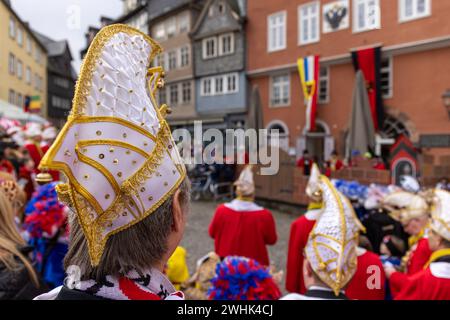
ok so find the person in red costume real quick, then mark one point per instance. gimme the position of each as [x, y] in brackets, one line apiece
[368, 283]
[33, 143]
[433, 282]
[300, 230]
[241, 227]
[48, 137]
[305, 163]
[334, 164]
[412, 211]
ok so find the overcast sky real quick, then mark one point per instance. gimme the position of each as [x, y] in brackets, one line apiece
[66, 19]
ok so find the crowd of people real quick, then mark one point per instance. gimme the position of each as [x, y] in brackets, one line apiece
[335, 163]
[108, 221]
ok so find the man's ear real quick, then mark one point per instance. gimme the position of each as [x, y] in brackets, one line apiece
[309, 269]
[177, 211]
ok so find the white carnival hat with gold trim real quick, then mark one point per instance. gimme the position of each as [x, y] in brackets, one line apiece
[245, 185]
[116, 148]
[440, 213]
[331, 247]
[404, 206]
[313, 190]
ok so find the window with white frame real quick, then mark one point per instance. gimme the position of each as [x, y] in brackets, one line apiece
[28, 75]
[160, 32]
[387, 75]
[29, 44]
[12, 27]
[184, 23]
[19, 100]
[309, 23]
[209, 48]
[226, 44]
[171, 27]
[414, 9]
[61, 82]
[186, 94]
[12, 96]
[184, 56]
[323, 93]
[207, 87]
[19, 36]
[280, 91]
[36, 81]
[220, 85]
[173, 93]
[38, 55]
[12, 64]
[276, 34]
[218, 89]
[162, 96]
[232, 83]
[366, 15]
[172, 60]
[19, 69]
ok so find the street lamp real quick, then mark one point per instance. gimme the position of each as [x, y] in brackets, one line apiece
[446, 100]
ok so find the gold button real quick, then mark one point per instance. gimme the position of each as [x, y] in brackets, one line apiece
[125, 214]
[145, 144]
[131, 91]
[128, 152]
[99, 133]
[124, 135]
[134, 162]
[111, 150]
[142, 190]
[165, 184]
[116, 161]
[86, 176]
[119, 174]
[101, 156]
[150, 198]
[107, 196]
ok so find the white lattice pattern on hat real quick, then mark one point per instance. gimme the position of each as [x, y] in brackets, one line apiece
[119, 83]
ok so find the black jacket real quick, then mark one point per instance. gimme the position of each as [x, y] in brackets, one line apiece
[17, 284]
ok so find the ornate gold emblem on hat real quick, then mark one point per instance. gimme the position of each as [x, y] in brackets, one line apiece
[116, 148]
[331, 247]
[440, 213]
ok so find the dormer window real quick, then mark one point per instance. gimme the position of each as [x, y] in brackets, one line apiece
[221, 7]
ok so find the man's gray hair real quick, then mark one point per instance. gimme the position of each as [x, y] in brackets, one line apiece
[138, 248]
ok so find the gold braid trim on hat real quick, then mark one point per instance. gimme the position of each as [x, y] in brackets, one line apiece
[331, 194]
[93, 220]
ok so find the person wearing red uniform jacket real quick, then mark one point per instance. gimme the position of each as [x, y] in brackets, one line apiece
[331, 251]
[300, 230]
[33, 143]
[48, 136]
[242, 228]
[433, 282]
[412, 211]
[369, 281]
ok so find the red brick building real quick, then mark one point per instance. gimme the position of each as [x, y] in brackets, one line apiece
[415, 40]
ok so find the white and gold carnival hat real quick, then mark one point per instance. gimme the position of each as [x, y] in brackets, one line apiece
[331, 247]
[404, 206]
[116, 148]
[440, 213]
[313, 189]
[245, 185]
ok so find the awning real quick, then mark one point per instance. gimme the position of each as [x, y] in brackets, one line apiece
[12, 112]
